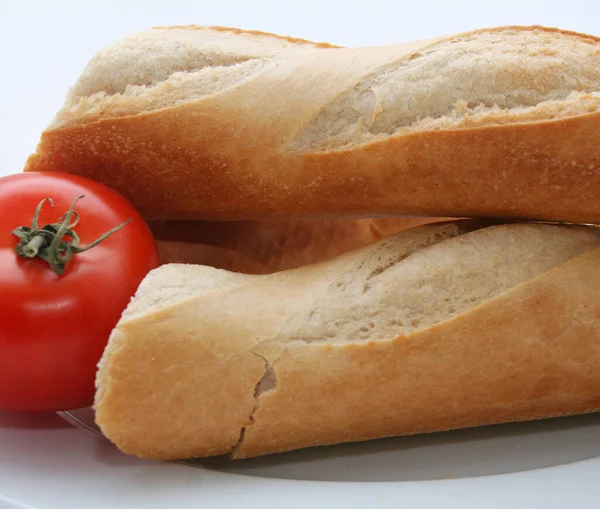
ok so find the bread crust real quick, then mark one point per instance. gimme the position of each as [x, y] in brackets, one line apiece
[233, 155]
[224, 368]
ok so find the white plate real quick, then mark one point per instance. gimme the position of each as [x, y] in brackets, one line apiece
[485, 451]
[45, 463]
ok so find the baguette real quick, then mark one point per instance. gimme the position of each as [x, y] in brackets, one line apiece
[443, 326]
[222, 124]
[263, 247]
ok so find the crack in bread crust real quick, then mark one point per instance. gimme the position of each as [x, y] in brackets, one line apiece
[268, 382]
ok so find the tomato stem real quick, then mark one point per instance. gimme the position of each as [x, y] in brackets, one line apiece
[32, 248]
[55, 243]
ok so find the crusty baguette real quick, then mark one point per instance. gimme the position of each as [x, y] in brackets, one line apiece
[443, 326]
[214, 123]
[263, 247]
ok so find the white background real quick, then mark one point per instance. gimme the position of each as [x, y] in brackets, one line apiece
[43, 47]
[45, 44]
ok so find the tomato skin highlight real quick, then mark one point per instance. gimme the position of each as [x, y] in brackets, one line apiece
[53, 329]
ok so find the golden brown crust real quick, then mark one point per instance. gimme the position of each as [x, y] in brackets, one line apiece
[264, 247]
[239, 162]
[517, 171]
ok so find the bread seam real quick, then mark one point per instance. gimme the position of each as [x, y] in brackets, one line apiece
[480, 116]
[153, 83]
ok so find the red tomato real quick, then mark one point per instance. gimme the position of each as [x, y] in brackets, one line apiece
[53, 329]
